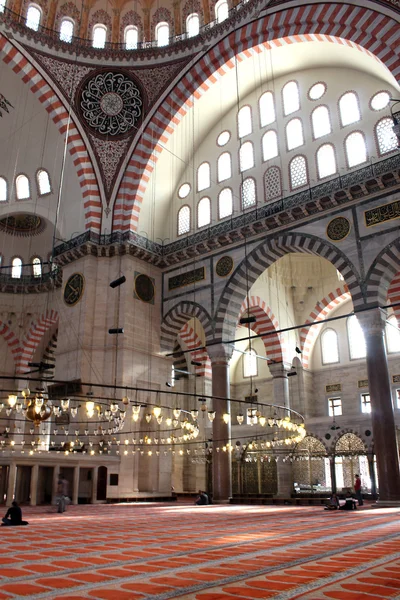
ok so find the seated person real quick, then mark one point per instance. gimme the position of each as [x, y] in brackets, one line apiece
[333, 503]
[202, 498]
[350, 503]
[14, 516]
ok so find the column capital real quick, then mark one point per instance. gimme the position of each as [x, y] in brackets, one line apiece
[220, 353]
[372, 321]
[279, 369]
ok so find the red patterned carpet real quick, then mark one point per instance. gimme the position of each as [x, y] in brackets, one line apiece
[154, 551]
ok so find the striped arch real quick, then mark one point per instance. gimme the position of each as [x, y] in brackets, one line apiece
[262, 257]
[177, 317]
[76, 146]
[382, 273]
[266, 323]
[33, 339]
[49, 356]
[394, 294]
[320, 312]
[366, 30]
[12, 341]
[191, 340]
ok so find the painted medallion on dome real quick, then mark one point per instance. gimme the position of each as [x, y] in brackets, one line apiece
[22, 224]
[338, 229]
[111, 103]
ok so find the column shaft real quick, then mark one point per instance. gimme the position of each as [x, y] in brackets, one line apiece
[34, 484]
[56, 476]
[95, 478]
[12, 477]
[222, 474]
[75, 491]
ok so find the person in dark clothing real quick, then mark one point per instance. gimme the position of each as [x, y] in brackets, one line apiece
[14, 516]
[202, 498]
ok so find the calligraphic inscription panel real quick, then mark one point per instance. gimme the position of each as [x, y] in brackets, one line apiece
[186, 278]
[381, 214]
[333, 387]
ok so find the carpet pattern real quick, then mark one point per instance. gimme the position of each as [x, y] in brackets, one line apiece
[159, 552]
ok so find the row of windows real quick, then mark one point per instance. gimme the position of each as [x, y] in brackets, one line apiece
[335, 405]
[326, 165]
[357, 347]
[23, 186]
[35, 267]
[131, 33]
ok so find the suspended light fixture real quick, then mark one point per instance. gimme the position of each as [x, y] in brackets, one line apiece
[211, 415]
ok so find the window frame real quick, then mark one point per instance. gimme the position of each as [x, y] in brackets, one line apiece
[245, 357]
[259, 108]
[240, 137]
[340, 111]
[197, 212]
[247, 144]
[331, 406]
[190, 221]
[255, 194]
[325, 362]
[16, 188]
[198, 190]
[378, 148]
[349, 342]
[286, 114]
[396, 402]
[7, 190]
[264, 160]
[38, 185]
[292, 189]
[217, 6]
[17, 257]
[69, 20]
[94, 28]
[346, 152]
[286, 134]
[126, 30]
[218, 203]
[219, 180]
[376, 94]
[321, 178]
[162, 25]
[38, 8]
[188, 19]
[365, 404]
[37, 257]
[388, 324]
[264, 183]
[314, 137]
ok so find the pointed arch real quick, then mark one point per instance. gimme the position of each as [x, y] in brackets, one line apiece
[394, 294]
[76, 145]
[33, 338]
[262, 257]
[177, 317]
[320, 312]
[191, 340]
[266, 323]
[381, 274]
[280, 27]
[12, 341]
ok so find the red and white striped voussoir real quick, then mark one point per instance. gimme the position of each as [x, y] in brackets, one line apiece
[11, 339]
[320, 312]
[192, 340]
[366, 30]
[33, 339]
[265, 323]
[394, 294]
[76, 146]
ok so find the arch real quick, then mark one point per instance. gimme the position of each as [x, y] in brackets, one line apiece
[266, 324]
[12, 341]
[381, 273]
[320, 312]
[283, 27]
[191, 340]
[33, 338]
[176, 318]
[76, 145]
[262, 257]
[394, 294]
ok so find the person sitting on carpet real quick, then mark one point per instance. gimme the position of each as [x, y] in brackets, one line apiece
[202, 498]
[13, 516]
[350, 503]
[333, 503]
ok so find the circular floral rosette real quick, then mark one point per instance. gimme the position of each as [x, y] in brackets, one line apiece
[111, 103]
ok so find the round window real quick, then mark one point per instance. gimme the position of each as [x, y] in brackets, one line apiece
[184, 190]
[380, 101]
[223, 138]
[317, 91]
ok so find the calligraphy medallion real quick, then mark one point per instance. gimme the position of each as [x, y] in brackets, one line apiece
[338, 229]
[224, 266]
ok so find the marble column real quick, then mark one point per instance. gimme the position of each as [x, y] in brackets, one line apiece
[279, 372]
[222, 471]
[332, 466]
[371, 465]
[75, 489]
[12, 477]
[95, 478]
[34, 484]
[382, 414]
[56, 477]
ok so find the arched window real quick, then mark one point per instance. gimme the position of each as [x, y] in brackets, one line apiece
[2, 5]
[267, 109]
[272, 183]
[294, 134]
[356, 150]
[224, 166]
[291, 98]
[37, 267]
[16, 268]
[203, 176]
[99, 36]
[298, 172]
[349, 109]
[393, 334]
[22, 187]
[248, 193]
[355, 334]
[193, 25]
[204, 212]
[246, 156]
[33, 17]
[66, 30]
[131, 37]
[270, 145]
[329, 347]
[3, 190]
[321, 122]
[162, 34]
[43, 182]
[225, 203]
[184, 220]
[250, 364]
[326, 161]
[387, 140]
[221, 11]
[244, 121]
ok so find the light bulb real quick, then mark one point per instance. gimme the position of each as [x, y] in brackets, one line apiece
[177, 413]
[211, 415]
[226, 418]
[240, 418]
[157, 411]
[12, 400]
